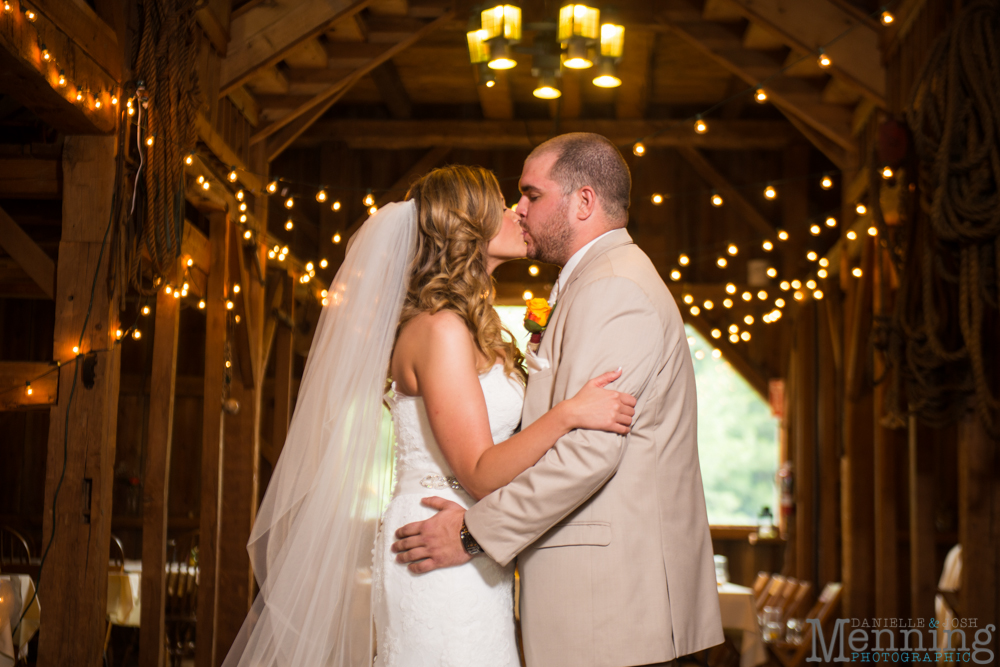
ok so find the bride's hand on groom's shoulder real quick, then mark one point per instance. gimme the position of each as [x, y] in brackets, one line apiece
[434, 543]
[598, 409]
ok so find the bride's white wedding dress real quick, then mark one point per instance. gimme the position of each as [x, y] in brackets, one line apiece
[456, 616]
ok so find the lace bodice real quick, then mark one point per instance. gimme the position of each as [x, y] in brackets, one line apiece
[416, 448]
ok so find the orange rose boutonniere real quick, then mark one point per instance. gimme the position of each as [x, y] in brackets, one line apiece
[537, 317]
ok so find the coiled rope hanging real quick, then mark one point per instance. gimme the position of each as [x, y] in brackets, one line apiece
[947, 312]
[165, 68]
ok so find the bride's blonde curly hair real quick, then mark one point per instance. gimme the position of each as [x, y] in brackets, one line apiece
[459, 210]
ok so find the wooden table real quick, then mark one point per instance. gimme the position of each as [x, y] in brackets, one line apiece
[738, 613]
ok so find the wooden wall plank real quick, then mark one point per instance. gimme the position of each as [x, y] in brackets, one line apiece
[30, 178]
[284, 351]
[81, 439]
[803, 445]
[26, 252]
[923, 565]
[212, 441]
[156, 478]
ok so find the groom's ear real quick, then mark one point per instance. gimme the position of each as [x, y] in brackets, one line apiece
[587, 202]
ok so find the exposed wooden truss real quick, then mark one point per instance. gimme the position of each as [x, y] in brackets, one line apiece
[26, 252]
[737, 134]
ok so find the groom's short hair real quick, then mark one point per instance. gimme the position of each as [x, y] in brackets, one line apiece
[591, 159]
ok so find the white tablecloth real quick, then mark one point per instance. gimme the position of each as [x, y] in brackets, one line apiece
[738, 613]
[23, 592]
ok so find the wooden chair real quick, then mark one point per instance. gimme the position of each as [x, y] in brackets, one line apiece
[825, 610]
[799, 602]
[773, 589]
[760, 585]
[781, 592]
[15, 552]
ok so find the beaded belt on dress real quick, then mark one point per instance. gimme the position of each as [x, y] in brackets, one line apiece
[408, 480]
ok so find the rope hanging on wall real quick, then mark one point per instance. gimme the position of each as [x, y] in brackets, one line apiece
[165, 69]
[948, 299]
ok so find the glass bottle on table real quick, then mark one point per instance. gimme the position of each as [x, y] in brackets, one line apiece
[765, 524]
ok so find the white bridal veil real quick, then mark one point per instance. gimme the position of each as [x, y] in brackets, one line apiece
[311, 545]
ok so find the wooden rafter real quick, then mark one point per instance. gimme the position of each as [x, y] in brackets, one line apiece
[430, 160]
[30, 178]
[856, 58]
[262, 36]
[727, 190]
[390, 87]
[26, 252]
[495, 134]
[496, 102]
[636, 72]
[794, 97]
[317, 105]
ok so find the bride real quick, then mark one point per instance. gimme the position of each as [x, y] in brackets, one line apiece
[414, 298]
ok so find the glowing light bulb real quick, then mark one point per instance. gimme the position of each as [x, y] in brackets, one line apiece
[491, 83]
[243, 206]
[145, 310]
[114, 100]
[290, 202]
[716, 333]
[229, 305]
[861, 208]
[733, 329]
[46, 56]
[760, 96]
[770, 192]
[826, 182]
[887, 17]
[675, 275]
[236, 288]
[189, 160]
[730, 288]
[780, 303]
[657, 199]
[851, 235]
[873, 231]
[818, 294]
[272, 187]
[824, 60]
[289, 224]
[232, 175]
[372, 210]
[533, 269]
[683, 260]
[812, 256]
[247, 234]
[137, 334]
[321, 196]
[815, 230]
[748, 319]
[30, 15]
[822, 273]
[831, 222]
[745, 336]
[734, 338]
[721, 262]
[886, 172]
[785, 285]
[688, 299]
[190, 262]
[639, 148]
[7, 7]
[201, 304]
[700, 126]
[527, 296]
[168, 289]
[811, 284]
[728, 303]
[335, 206]
[747, 296]
[62, 79]
[782, 235]
[762, 295]
[323, 263]
[732, 249]
[206, 185]
[149, 141]
[768, 246]
[799, 296]
[796, 284]
[696, 311]
[716, 200]
[336, 237]
[708, 305]
[369, 200]
[716, 353]
[823, 261]
[772, 272]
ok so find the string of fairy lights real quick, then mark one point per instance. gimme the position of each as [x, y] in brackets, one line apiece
[49, 66]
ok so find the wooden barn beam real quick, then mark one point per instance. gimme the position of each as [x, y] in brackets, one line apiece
[636, 72]
[212, 441]
[496, 134]
[390, 87]
[431, 159]
[35, 262]
[496, 102]
[214, 18]
[856, 56]
[261, 36]
[15, 283]
[729, 192]
[804, 445]
[226, 155]
[922, 492]
[81, 444]
[30, 178]
[310, 111]
[794, 97]
[33, 82]
[156, 477]
[77, 20]
[14, 376]
[284, 354]
[567, 107]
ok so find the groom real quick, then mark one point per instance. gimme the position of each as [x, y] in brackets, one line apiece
[610, 531]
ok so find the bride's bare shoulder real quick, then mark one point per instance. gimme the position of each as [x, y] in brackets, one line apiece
[443, 327]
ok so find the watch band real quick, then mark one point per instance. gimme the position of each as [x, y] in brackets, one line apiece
[469, 542]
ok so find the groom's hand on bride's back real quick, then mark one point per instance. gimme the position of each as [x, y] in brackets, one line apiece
[434, 543]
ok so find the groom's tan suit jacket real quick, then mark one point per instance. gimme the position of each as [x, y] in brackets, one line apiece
[611, 532]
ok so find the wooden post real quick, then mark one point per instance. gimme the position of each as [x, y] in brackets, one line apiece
[804, 444]
[828, 429]
[212, 442]
[887, 444]
[156, 480]
[978, 525]
[923, 566]
[284, 351]
[81, 446]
